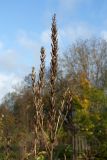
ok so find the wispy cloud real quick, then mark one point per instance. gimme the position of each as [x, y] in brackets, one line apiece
[1, 45]
[45, 37]
[104, 34]
[69, 4]
[34, 43]
[66, 35]
[26, 40]
[7, 83]
[70, 33]
[8, 59]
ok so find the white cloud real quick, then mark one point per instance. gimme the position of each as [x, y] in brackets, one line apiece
[68, 3]
[71, 33]
[29, 44]
[45, 37]
[1, 45]
[66, 36]
[104, 34]
[27, 41]
[9, 59]
[7, 82]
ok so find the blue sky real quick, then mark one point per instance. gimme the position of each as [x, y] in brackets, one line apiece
[25, 27]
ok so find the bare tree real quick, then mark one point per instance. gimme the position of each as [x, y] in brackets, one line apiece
[88, 57]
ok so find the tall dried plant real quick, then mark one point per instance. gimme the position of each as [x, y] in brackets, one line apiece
[56, 116]
[37, 91]
[53, 76]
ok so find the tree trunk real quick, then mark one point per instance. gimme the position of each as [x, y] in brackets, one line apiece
[51, 152]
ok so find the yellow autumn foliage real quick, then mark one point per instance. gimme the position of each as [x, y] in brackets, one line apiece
[85, 103]
[84, 81]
